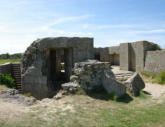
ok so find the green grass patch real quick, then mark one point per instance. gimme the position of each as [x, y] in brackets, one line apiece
[148, 74]
[154, 78]
[160, 78]
[3, 61]
[7, 80]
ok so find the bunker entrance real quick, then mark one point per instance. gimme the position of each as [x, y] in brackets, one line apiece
[97, 57]
[115, 59]
[60, 66]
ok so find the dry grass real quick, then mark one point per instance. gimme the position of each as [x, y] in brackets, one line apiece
[86, 111]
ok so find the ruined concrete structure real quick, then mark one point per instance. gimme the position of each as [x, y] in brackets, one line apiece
[49, 62]
[136, 56]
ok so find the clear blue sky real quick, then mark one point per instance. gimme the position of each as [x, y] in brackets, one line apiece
[110, 22]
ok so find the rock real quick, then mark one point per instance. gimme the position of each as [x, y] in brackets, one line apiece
[70, 87]
[112, 86]
[58, 96]
[12, 95]
[94, 74]
[73, 78]
[134, 84]
[10, 92]
[89, 74]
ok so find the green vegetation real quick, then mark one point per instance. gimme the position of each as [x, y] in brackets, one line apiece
[155, 78]
[160, 78]
[5, 58]
[3, 61]
[7, 80]
[158, 47]
[12, 56]
[148, 74]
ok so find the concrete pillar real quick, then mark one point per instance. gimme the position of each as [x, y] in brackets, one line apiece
[68, 58]
[124, 56]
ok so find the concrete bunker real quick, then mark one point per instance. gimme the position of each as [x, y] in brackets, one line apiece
[48, 63]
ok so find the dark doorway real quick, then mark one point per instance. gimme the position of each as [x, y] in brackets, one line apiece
[97, 57]
[60, 66]
[115, 59]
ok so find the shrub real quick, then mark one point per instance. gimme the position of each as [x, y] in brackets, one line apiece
[148, 74]
[161, 78]
[158, 47]
[7, 80]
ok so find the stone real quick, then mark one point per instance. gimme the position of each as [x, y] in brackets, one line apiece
[134, 84]
[12, 95]
[112, 86]
[70, 87]
[94, 74]
[58, 96]
[90, 73]
[73, 78]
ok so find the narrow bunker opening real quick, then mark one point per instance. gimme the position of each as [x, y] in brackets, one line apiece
[60, 66]
[97, 56]
[115, 59]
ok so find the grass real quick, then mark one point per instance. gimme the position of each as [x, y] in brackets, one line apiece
[89, 112]
[3, 61]
[161, 78]
[154, 78]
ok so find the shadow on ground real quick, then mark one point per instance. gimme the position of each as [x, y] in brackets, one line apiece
[147, 93]
[103, 95]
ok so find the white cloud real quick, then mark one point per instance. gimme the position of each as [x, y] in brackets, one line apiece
[115, 26]
[68, 19]
[150, 31]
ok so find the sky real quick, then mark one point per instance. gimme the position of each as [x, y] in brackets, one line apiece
[109, 22]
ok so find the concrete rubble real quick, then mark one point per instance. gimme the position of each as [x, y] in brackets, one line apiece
[135, 84]
[12, 95]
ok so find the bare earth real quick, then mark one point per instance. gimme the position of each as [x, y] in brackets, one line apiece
[51, 109]
[155, 90]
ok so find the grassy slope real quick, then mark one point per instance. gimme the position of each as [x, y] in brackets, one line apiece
[9, 60]
[90, 112]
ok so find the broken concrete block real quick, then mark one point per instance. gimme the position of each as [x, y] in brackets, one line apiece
[112, 86]
[134, 84]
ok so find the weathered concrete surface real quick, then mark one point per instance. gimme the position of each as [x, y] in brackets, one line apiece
[12, 95]
[130, 56]
[114, 50]
[112, 86]
[124, 56]
[93, 74]
[121, 75]
[155, 61]
[6, 68]
[135, 84]
[39, 63]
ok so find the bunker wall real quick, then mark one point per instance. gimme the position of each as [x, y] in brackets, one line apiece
[155, 61]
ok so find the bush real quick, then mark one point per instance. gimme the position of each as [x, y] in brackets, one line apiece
[7, 80]
[161, 78]
[158, 47]
[148, 74]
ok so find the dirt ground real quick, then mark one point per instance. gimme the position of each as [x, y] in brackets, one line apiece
[155, 90]
[51, 109]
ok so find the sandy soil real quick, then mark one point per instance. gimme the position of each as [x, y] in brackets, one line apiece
[155, 90]
[11, 111]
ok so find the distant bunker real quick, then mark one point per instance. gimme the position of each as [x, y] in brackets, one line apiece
[48, 63]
